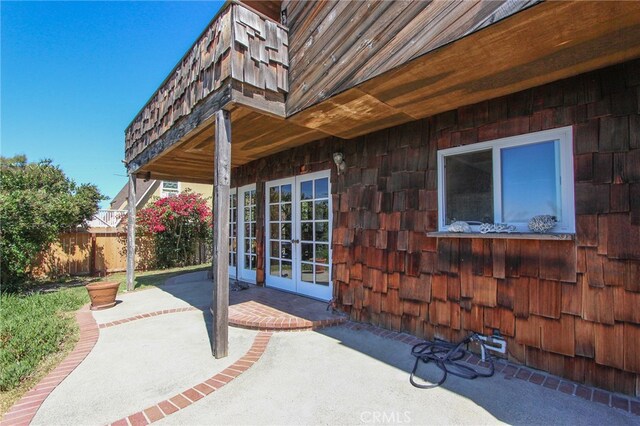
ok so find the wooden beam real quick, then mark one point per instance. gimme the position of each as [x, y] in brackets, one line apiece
[220, 263]
[131, 231]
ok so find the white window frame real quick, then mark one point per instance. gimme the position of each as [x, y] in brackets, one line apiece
[563, 135]
[166, 193]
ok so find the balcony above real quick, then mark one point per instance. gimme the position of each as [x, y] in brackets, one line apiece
[347, 69]
[241, 57]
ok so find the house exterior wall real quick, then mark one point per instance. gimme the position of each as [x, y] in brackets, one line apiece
[156, 191]
[567, 307]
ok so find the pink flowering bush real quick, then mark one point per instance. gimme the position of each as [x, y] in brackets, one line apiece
[177, 225]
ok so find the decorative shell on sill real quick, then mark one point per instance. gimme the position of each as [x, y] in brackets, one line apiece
[497, 228]
[542, 223]
[459, 226]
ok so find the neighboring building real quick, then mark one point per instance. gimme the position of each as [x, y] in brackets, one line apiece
[443, 111]
[149, 189]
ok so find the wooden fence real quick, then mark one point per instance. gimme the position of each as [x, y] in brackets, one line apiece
[98, 253]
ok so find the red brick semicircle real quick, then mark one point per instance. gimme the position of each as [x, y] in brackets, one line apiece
[256, 316]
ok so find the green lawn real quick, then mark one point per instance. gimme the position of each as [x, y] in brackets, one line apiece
[38, 330]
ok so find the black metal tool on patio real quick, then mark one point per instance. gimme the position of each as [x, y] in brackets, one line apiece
[448, 357]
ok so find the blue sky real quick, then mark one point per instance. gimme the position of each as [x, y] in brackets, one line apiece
[74, 75]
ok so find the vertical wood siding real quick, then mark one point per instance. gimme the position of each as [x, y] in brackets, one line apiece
[336, 45]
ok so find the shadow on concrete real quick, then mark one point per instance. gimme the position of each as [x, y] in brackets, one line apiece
[496, 395]
[535, 404]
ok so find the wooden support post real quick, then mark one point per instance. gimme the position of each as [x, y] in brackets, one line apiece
[220, 264]
[131, 232]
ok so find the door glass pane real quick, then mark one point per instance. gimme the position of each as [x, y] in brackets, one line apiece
[247, 261]
[322, 253]
[285, 212]
[274, 267]
[306, 190]
[530, 181]
[285, 251]
[322, 274]
[322, 231]
[275, 249]
[322, 210]
[306, 233]
[322, 188]
[274, 213]
[273, 233]
[307, 272]
[285, 193]
[307, 251]
[469, 187]
[286, 270]
[306, 210]
[285, 231]
[274, 195]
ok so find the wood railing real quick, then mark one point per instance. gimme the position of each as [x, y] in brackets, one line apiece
[240, 50]
[109, 218]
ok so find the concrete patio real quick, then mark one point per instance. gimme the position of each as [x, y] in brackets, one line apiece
[152, 362]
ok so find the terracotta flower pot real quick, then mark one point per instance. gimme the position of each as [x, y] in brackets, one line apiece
[102, 294]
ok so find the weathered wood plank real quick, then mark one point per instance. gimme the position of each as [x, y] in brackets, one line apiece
[220, 264]
[131, 232]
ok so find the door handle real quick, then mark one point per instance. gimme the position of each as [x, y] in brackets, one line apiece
[295, 241]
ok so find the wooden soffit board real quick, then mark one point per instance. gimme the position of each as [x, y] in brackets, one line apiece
[541, 44]
[253, 136]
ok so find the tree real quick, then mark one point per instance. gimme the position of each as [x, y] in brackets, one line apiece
[37, 202]
[176, 224]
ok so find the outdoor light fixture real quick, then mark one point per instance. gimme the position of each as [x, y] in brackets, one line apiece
[338, 158]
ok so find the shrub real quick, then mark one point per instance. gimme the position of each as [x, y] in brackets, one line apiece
[37, 202]
[177, 225]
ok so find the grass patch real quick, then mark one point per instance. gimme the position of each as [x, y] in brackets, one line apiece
[153, 278]
[33, 329]
[38, 330]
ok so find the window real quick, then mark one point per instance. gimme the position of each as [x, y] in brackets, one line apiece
[509, 181]
[170, 188]
[233, 229]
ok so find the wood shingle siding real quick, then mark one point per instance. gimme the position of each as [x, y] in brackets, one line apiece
[241, 52]
[569, 307]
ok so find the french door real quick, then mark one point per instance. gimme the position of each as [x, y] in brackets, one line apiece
[242, 233]
[298, 228]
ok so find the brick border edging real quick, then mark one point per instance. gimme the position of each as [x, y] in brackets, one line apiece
[249, 322]
[276, 324]
[511, 370]
[149, 315]
[23, 411]
[187, 397]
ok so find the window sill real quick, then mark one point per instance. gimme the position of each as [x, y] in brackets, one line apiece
[503, 236]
